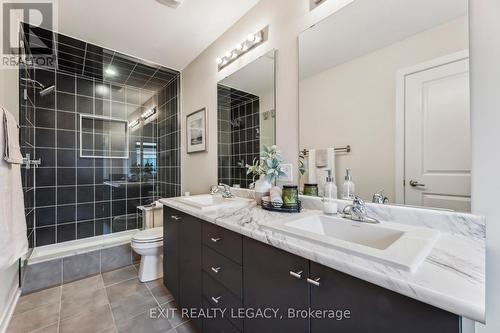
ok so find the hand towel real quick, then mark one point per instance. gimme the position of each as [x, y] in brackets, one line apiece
[12, 150]
[331, 160]
[13, 237]
[311, 166]
[321, 158]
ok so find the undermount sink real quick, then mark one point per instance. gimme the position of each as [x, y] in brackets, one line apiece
[208, 201]
[402, 246]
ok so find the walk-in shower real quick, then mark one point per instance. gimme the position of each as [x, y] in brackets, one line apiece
[100, 157]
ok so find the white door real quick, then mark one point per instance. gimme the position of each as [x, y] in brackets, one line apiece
[437, 137]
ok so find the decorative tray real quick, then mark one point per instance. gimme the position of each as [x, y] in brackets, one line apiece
[268, 205]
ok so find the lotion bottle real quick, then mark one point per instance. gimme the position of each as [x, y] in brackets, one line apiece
[330, 205]
[348, 187]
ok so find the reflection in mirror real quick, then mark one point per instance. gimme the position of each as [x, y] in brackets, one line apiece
[246, 119]
[395, 88]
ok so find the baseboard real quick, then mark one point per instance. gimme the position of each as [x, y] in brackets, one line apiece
[9, 311]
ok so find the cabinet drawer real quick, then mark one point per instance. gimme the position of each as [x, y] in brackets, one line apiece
[221, 298]
[217, 325]
[223, 241]
[170, 214]
[225, 271]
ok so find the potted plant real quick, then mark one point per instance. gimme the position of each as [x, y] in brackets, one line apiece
[268, 168]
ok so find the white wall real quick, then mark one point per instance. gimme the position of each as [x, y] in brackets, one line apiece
[485, 99]
[286, 19]
[358, 100]
[9, 99]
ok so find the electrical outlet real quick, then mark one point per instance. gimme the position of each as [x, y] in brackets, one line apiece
[288, 170]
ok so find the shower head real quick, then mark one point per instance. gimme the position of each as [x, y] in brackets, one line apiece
[47, 90]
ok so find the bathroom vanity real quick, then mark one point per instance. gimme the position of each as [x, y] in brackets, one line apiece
[229, 259]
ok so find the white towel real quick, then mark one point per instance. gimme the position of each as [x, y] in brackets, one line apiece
[321, 158]
[13, 238]
[11, 150]
[311, 166]
[331, 160]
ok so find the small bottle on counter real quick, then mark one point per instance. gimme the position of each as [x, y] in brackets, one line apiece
[348, 187]
[330, 205]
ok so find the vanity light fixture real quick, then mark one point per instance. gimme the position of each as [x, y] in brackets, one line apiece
[149, 113]
[252, 40]
[134, 123]
[171, 3]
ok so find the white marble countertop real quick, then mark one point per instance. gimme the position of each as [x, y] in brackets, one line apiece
[451, 278]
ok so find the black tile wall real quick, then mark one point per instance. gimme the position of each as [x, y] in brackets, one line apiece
[238, 135]
[71, 197]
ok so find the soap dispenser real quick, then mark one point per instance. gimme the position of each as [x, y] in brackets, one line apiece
[348, 187]
[330, 205]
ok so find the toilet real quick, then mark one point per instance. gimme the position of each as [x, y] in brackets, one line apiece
[148, 243]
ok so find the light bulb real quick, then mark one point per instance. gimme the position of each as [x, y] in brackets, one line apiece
[258, 38]
[238, 46]
[219, 61]
[251, 38]
[234, 55]
[228, 54]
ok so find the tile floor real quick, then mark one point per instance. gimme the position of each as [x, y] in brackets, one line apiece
[115, 301]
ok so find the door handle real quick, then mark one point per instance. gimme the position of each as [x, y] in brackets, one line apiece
[175, 217]
[314, 282]
[215, 269]
[297, 275]
[414, 183]
[216, 299]
[215, 240]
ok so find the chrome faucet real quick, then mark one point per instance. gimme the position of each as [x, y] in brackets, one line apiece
[214, 189]
[380, 198]
[227, 191]
[357, 211]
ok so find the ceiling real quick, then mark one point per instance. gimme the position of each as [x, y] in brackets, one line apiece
[77, 57]
[150, 30]
[256, 78]
[366, 25]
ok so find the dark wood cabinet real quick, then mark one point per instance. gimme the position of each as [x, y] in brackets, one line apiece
[372, 309]
[182, 258]
[171, 250]
[207, 266]
[190, 283]
[274, 279]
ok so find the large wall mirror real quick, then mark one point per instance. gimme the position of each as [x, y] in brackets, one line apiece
[390, 81]
[246, 119]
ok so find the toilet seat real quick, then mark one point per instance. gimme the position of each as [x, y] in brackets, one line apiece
[148, 236]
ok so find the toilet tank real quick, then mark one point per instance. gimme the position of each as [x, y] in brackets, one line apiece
[151, 215]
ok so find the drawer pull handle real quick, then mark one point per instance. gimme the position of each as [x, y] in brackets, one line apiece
[175, 217]
[215, 269]
[215, 240]
[216, 299]
[297, 275]
[314, 282]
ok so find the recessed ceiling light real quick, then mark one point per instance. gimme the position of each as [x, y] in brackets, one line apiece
[110, 71]
[171, 3]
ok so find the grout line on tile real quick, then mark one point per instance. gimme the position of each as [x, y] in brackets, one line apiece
[149, 289]
[110, 308]
[60, 306]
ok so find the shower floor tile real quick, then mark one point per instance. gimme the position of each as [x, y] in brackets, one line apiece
[114, 301]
